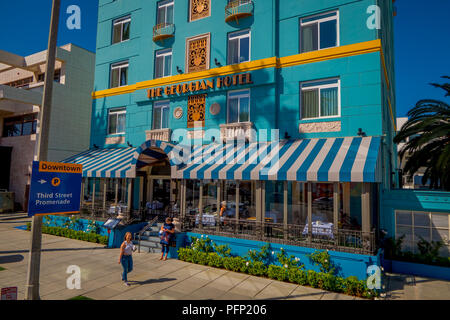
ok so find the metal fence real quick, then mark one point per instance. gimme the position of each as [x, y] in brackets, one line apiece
[354, 241]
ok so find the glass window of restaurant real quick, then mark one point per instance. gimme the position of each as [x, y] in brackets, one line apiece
[192, 196]
[274, 202]
[229, 196]
[209, 197]
[297, 203]
[247, 200]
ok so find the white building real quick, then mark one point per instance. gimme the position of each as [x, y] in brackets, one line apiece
[409, 182]
[21, 87]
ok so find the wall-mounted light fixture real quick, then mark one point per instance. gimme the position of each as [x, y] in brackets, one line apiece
[96, 146]
[217, 62]
[179, 70]
[361, 133]
[129, 144]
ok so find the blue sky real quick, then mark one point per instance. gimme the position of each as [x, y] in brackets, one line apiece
[422, 40]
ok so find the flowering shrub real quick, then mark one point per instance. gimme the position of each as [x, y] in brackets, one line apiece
[204, 251]
[322, 259]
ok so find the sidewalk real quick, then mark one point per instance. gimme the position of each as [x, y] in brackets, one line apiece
[154, 279]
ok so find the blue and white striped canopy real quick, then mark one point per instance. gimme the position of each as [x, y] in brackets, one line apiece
[350, 159]
[104, 163]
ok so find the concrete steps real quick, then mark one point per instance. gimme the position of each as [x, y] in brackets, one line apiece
[150, 240]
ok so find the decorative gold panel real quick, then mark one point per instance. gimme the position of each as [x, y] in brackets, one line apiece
[198, 54]
[200, 9]
[196, 110]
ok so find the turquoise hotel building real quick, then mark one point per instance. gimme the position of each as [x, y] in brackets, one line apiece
[251, 121]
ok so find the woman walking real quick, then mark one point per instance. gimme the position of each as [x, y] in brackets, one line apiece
[125, 258]
[167, 231]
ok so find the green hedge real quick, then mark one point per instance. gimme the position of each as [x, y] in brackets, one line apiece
[72, 234]
[291, 271]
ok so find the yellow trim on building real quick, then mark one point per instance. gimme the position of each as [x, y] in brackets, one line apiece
[298, 59]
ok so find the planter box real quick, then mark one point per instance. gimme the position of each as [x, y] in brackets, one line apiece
[417, 269]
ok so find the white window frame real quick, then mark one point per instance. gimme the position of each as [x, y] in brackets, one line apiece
[190, 11]
[121, 21]
[116, 111]
[165, 4]
[322, 86]
[160, 105]
[163, 53]
[318, 21]
[247, 35]
[245, 93]
[118, 65]
[412, 226]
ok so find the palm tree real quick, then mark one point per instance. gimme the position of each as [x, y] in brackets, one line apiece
[427, 140]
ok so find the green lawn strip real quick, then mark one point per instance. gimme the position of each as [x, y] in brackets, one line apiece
[1, 269]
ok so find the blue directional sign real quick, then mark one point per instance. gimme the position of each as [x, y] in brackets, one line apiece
[55, 188]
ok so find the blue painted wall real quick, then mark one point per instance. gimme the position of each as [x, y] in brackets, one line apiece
[58, 221]
[410, 200]
[275, 93]
[348, 264]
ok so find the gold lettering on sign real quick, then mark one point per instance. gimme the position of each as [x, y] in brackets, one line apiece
[198, 54]
[196, 110]
[200, 9]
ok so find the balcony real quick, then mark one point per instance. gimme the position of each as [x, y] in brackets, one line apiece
[163, 31]
[237, 130]
[238, 9]
[158, 134]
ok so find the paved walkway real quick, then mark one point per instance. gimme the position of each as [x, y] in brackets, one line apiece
[154, 279]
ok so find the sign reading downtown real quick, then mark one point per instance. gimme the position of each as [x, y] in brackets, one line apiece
[55, 188]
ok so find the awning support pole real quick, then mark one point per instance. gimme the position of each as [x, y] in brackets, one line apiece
[200, 206]
[104, 197]
[309, 212]
[93, 196]
[285, 210]
[219, 201]
[237, 204]
[258, 207]
[116, 194]
[130, 196]
[336, 210]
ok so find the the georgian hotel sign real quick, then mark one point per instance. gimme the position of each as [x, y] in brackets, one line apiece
[201, 85]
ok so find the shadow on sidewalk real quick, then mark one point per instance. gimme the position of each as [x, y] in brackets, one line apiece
[11, 259]
[58, 249]
[149, 281]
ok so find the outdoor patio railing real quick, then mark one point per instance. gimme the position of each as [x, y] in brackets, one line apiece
[354, 241]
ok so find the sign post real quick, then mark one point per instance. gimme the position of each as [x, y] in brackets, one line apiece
[55, 188]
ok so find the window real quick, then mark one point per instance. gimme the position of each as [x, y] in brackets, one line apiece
[119, 74]
[239, 47]
[165, 12]
[163, 63]
[319, 32]
[116, 121]
[161, 115]
[320, 99]
[430, 226]
[121, 29]
[239, 106]
[20, 126]
[56, 77]
[22, 83]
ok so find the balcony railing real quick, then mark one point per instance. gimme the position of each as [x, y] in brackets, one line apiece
[163, 31]
[237, 130]
[353, 241]
[238, 9]
[158, 134]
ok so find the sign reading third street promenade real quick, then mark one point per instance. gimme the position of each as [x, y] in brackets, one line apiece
[55, 188]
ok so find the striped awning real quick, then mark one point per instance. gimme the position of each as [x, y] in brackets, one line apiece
[350, 159]
[104, 163]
